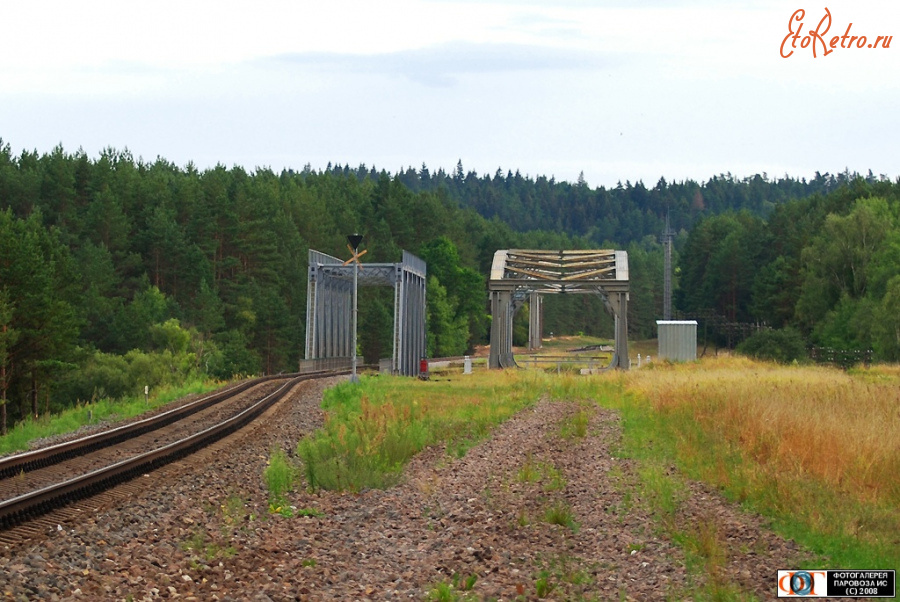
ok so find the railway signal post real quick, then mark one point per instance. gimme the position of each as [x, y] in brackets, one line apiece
[354, 240]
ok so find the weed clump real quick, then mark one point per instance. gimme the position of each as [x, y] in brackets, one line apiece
[279, 476]
[559, 513]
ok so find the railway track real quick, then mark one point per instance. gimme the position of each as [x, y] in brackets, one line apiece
[35, 483]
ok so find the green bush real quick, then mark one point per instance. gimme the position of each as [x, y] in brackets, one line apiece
[101, 375]
[279, 476]
[783, 346]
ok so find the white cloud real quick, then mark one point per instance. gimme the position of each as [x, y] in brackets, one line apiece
[441, 65]
[627, 88]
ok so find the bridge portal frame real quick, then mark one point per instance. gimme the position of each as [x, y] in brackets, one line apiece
[519, 275]
[329, 307]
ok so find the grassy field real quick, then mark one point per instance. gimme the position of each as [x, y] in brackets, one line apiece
[816, 450]
[374, 428]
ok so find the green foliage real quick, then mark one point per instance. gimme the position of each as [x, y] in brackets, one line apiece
[377, 313]
[465, 583]
[847, 270]
[888, 327]
[849, 324]
[279, 477]
[646, 262]
[453, 591]
[520, 327]
[529, 472]
[447, 335]
[559, 513]
[116, 376]
[8, 337]
[443, 592]
[102, 375]
[149, 307]
[360, 446]
[774, 294]
[234, 511]
[784, 346]
[310, 512]
[571, 314]
[236, 356]
[210, 264]
[170, 336]
[565, 577]
[206, 550]
[842, 254]
[375, 427]
[823, 265]
[576, 426]
[456, 300]
[533, 472]
[719, 261]
[543, 586]
[37, 284]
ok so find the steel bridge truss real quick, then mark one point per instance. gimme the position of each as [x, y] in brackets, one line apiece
[518, 276]
[329, 307]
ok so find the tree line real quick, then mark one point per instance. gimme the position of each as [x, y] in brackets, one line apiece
[625, 213]
[117, 273]
[824, 269]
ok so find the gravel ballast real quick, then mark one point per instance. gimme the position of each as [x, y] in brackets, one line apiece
[201, 529]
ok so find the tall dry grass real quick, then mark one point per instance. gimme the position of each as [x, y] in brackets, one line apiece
[817, 446]
[840, 428]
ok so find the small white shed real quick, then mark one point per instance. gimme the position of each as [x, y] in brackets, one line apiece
[677, 340]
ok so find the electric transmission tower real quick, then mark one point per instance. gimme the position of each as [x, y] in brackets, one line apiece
[667, 238]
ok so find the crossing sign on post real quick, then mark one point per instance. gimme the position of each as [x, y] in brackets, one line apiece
[354, 240]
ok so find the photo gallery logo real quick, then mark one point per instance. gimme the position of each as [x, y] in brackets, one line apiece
[802, 37]
[877, 583]
[801, 583]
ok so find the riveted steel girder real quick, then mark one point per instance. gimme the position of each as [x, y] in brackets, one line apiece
[329, 307]
[517, 274]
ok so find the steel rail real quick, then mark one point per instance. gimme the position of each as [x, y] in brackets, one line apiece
[54, 454]
[30, 505]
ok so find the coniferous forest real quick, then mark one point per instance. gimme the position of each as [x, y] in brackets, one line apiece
[117, 273]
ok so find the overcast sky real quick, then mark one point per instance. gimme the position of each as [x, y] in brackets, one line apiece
[618, 90]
